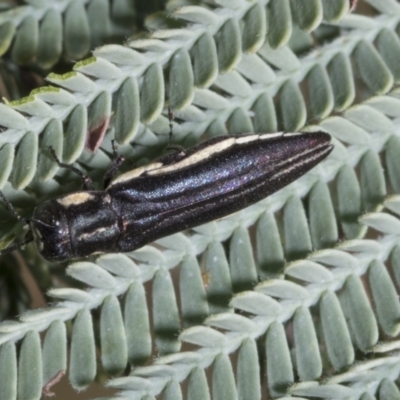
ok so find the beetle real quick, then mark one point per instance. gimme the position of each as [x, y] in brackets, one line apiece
[178, 191]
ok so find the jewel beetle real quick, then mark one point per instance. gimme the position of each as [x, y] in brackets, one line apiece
[180, 190]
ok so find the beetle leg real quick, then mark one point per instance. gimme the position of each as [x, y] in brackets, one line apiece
[12, 209]
[171, 146]
[177, 148]
[114, 166]
[171, 117]
[87, 182]
[28, 237]
[17, 245]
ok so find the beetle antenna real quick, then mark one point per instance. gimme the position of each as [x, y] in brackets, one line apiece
[40, 223]
[171, 146]
[171, 117]
[114, 166]
[18, 245]
[87, 182]
[16, 215]
[12, 209]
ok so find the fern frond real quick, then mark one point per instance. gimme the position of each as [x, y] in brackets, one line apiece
[115, 73]
[261, 90]
[274, 302]
[271, 304]
[41, 32]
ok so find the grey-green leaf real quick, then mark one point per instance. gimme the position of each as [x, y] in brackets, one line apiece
[76, 31]
[165, 313]
[255, 28]
[320, 92]
[26, 41]
[395, 260]
[349, 201]
[50, 39]
[265, 119]
[193, 294]
[297, 235]
[205, 61]
[373, 187]
[385, 298]
[217, 276]
[388, 390]
[52, 136]
[308, 359]
[99, 14]
[25, 161]
[248, 371]
[229, 46]
[54, 351]
[270, 255]
[151, 94]
[239, 122]
[336, 335]
[114, 354]
[30, 368]
[393, 162]
[279, 365]
[323, 227]
[372, 68]
[335, 10]
[342, 80]
[137, 325]
[181, 80]
[243, 269]
[75, 134]
[388, 45]
[360, 314]
[223, 380]
[254, 68]
[6, 162]
[173, 391]
[91, 274]
[279, 23]
[7, 32]
[308, 14]
[127, 111]
[99, 113]
[197, 385]
[8, 371]
[82, 369]
[292, 107]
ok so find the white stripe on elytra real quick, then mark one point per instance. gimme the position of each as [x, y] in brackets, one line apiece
[85, 236]
[246, 139]
[75, 199]
[195, 158]
[289, 134]
[266, 136]
[201, 155]
[135, 173]
[209, 151]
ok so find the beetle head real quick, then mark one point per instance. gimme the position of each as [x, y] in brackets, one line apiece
[51, 231]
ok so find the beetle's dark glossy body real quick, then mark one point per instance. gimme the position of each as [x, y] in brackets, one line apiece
[182, 190]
